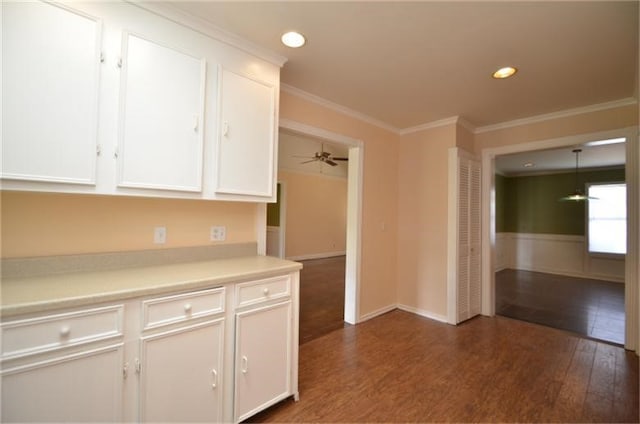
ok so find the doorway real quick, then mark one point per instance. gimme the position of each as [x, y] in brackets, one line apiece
[492, 251]
[354, 153]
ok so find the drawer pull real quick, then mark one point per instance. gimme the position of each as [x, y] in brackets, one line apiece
[187, 308]
[265, 291]
[65, 331]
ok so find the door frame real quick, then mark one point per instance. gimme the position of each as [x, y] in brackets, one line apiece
[632, 295]
[354, 210]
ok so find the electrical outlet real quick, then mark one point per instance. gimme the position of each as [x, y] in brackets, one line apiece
[160, 235]
[218, 233]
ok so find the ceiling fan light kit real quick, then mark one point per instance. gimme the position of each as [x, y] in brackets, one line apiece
[577, 195]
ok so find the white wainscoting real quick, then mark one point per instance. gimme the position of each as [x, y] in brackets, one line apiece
[554, 254]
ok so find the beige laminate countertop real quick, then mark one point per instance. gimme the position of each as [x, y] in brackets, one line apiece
[37, 294]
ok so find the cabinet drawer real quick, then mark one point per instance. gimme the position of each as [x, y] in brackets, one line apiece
[263, 290]
[182, 307]
[35, 335]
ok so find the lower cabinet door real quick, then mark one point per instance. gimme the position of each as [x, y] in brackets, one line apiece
[263, 358]
[181, 374]
[85, 386]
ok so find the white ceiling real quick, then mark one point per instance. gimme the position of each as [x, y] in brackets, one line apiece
[410, 63]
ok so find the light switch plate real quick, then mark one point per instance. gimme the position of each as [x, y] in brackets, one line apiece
[160, 235]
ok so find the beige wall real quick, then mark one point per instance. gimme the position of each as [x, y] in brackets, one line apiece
[422, 219]
[316, 214]
[39, 224]
[379, 203]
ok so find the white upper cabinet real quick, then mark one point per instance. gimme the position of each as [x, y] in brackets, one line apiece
[50, 82]
[123, 98]
[247, 133]
[161, 117]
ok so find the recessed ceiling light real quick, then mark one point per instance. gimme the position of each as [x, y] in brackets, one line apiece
[505, 72]
[293, 39]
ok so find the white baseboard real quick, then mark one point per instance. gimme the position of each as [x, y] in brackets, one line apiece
[317, 256]
[423, 313]
[377, 312]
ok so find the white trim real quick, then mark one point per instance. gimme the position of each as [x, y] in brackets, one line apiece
[321, 255]
[556, 115]
[261, 228]
[632, 293]
[205, 27]
[354, 210]
[283, 216]
[452, 237]
[423, 313]
[337, 107]
[377, 313]
[454, 119]
[429, 125]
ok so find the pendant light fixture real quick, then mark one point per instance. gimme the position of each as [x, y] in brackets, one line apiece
[577, 195]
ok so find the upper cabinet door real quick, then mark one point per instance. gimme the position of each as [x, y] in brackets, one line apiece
[50, 77]
[246, 139]
[161, 117]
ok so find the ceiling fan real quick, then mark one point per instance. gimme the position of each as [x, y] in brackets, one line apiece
[322, 156]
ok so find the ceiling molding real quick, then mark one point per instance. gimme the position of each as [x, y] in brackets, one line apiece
[455, 119]
[559, 114]
[205, 27]
[338, 108]
[429, 125]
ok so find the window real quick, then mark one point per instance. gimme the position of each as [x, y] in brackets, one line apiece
[607, 214]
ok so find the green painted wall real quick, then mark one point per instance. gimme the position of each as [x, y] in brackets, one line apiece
[273, 211]
[530, 204]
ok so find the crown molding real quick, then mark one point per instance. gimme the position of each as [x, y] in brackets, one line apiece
[337, 108]
[205, 27]
[556, 115]
[455, 119]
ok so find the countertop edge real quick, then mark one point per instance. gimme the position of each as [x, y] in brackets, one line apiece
[12, 310]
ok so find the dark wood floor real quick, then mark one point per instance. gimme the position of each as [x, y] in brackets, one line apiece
[592, 308]
[400, 367]
[321, 297]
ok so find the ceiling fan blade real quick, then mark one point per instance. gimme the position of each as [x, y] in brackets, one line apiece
[308, 161]
[324, 154]
[330, 162]
[339, 158]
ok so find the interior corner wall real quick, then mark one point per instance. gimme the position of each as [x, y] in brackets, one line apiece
[316, 215]
[423, 219]
[378, 264]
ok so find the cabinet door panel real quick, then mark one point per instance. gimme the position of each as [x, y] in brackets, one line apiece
[85, 387]
[245, 160]
[161, 128]
[51, 58]
[263, 358]
[181, 375]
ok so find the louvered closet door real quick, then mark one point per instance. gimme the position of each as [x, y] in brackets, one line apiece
[468, 272]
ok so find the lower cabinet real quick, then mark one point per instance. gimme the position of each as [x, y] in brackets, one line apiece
[181, 374]
[214, 355]
[85, 386]
[263, 358]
